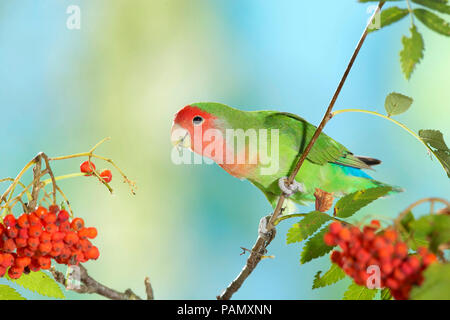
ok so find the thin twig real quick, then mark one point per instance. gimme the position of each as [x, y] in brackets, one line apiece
[259, 248]
[149, 289]
[418, 202]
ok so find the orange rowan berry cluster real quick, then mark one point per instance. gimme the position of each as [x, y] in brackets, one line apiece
[29, 242]
[399, 271]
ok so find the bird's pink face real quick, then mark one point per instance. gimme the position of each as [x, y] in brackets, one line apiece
[190, 124]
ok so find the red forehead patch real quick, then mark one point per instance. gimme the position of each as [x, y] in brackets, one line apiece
[184, 116]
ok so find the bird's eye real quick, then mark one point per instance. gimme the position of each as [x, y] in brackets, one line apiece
[197, 120]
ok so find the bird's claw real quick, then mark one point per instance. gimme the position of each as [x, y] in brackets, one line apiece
[290, 189]
[263, 230]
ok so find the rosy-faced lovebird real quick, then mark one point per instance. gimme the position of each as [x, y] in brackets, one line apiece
[263, 146]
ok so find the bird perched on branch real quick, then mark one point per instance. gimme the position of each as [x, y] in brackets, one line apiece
[264, 146]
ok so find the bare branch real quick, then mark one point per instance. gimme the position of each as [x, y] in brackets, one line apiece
[90, 285]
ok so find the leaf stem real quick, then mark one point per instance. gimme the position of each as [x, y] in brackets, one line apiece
[66, 176]
[401, 125]
[408, 3]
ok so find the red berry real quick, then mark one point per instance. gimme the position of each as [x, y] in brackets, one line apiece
[93, 253]
[64, 227]
[33, 242]
[63, 216]
[390, 235]
[375, 223]
[87, 167]
[85, 244]
[22, 261]
[21, 242]
[50, 218]
[58, 246]
[34, 265]
[401, 249]
[45, 237]
[335, 227]
[106, 175]
[77, 224]
[8, 260]
[392, 284]
[329, 239]
[429, 259]
[45, 248]
[15, 272]
[83, 233]
[23, 221]
[51, 228]
[345, 234]
[45, 262]
[23, 233]
[53, 208]
[91, 232]
[35, 231]
[58, 236]
[34, 220]
[71, 238]
[12, 232]
[9, 220]
[9, 245]
[41, 212]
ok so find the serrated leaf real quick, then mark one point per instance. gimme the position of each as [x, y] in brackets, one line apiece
[357, 292]
[307, 226]
[315, 247]
[8, 293]
[438, 5]
[435, 140]
[433, 21]
[351, 203]
[40, 283]
[390, 15]
[386, 294]
[333, 275]
[435, 228]
[397, 103]
[435, 285]
[412, 52]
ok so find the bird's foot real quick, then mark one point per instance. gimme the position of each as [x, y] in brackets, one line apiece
[263, 229]
[289, 189]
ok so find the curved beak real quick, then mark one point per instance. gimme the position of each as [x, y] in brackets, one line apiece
[180, 137]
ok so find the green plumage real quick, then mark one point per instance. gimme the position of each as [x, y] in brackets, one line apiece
[329, 165]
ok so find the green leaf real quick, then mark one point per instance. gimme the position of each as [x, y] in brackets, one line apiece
[333, 275]
[397, 103]
[438, 5]
[390, 15]
[357, 292]
[315, 247]
[435, 228]
[8, 293]
[351, 203]
[435, 140]
[307, 226]
[435, 285]
[40, 283]
[433, 21]
[412, 52]
[386, 294]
